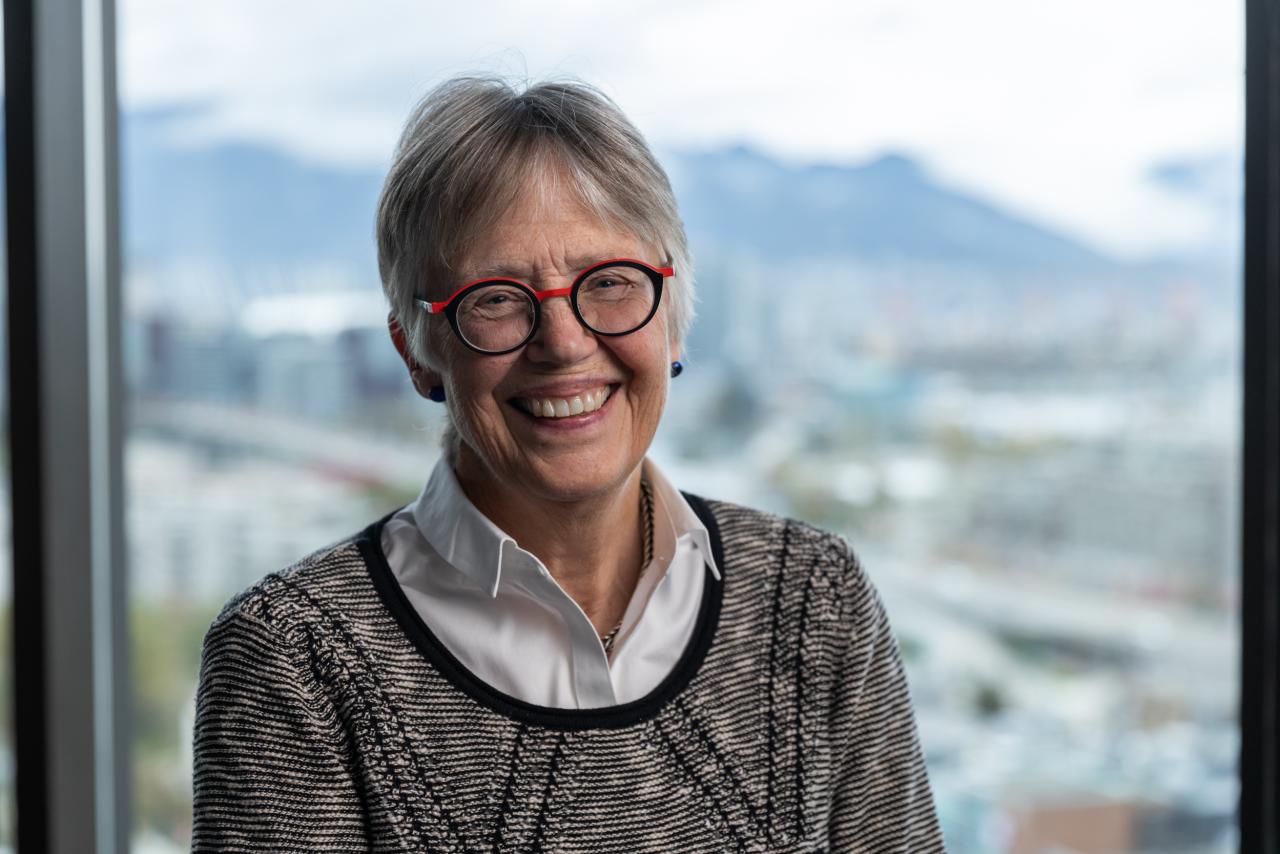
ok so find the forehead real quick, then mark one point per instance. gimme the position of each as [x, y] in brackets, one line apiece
[546, 228]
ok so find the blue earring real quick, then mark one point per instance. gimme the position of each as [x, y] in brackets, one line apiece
[677, 369]
[436, 393]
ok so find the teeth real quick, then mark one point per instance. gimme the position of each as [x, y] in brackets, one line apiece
[559, 407]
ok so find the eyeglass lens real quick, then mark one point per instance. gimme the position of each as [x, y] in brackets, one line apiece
[500, 316]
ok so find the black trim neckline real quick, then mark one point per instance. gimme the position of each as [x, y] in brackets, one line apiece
[369, 541]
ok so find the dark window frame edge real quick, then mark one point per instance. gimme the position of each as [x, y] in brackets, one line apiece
[1260, 457]
[70, 694]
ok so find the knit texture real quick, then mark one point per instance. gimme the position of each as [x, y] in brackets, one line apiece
[327, 721]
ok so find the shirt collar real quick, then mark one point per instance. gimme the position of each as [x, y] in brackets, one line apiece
[670, 510]
[458, 531]
[476, 547]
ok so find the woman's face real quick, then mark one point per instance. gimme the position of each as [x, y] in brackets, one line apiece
[547, 242]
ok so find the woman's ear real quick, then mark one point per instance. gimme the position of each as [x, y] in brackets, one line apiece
[424, 379]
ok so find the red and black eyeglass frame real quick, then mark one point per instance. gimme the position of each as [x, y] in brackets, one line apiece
[449, 307]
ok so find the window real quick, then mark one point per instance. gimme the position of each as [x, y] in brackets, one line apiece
[1009, 368]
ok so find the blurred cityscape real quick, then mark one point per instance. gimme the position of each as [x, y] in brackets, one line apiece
[1032, 446]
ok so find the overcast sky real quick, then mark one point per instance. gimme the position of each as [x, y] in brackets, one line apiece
[1058, 109]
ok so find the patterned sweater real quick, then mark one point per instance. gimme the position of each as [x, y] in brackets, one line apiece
[329, 718]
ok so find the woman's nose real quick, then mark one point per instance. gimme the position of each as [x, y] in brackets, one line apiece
[560, 336]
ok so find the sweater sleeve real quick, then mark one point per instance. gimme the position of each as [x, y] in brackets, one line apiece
[269, 774]
[882, 802]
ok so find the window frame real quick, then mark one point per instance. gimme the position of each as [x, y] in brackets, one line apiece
[1260, 454]
[70, 653]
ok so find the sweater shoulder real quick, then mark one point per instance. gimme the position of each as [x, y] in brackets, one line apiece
[738, 523]
[799, 546]
[281, 598]
[790, 560]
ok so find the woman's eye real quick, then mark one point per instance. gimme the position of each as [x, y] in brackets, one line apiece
[608, 283]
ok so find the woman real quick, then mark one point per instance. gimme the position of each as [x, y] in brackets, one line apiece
[553, 649]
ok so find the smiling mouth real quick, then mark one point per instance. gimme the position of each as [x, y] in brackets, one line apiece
[564, 407]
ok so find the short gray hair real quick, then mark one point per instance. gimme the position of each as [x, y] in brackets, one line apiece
[474, 143]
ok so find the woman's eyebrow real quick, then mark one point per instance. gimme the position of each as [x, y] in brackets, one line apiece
[506, 270]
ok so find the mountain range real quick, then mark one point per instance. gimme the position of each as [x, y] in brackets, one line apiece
[251, 206]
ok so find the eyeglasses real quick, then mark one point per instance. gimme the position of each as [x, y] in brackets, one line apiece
[496, 316]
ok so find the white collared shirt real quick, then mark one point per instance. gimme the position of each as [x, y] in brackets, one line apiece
[498, 610]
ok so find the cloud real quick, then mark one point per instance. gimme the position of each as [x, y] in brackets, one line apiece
[1056, 108]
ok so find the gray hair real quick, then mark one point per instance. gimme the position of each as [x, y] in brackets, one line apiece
[473, 144]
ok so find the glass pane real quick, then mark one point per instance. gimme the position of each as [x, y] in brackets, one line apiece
[968, 293]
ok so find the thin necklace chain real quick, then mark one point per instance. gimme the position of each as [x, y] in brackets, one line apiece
[646, 513]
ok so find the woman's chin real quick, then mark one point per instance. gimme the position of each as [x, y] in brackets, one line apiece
[576, 478]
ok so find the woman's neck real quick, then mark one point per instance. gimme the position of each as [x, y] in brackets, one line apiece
[593, 547]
